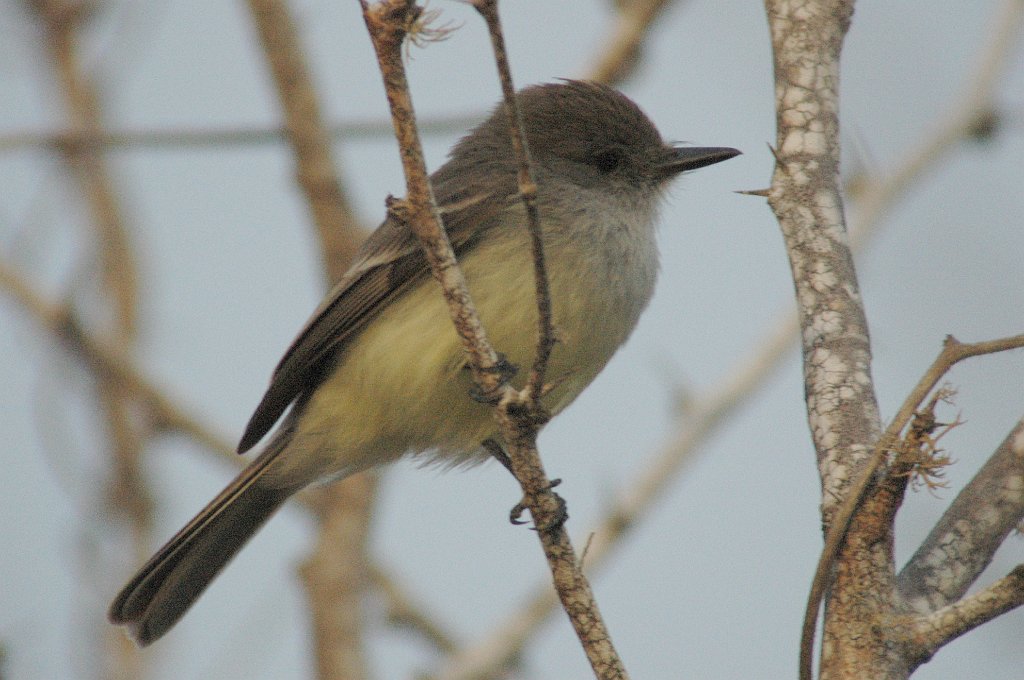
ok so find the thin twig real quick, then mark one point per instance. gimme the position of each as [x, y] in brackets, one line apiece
[518, 424]
[488, 9]
[183, 138]
[386, 22]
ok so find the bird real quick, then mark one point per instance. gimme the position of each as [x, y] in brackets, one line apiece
[378, 371]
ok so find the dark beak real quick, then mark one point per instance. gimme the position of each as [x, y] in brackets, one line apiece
[685, 158]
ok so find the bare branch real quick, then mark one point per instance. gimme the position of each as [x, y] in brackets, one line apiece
[622, 48]
[948, 623]
[963, 542]
[126, 495]
[808, 130]
[172, 138]
[335, 582]
[105, 358]
[334, 574]
[403, 612]
[974, 103]
[387, 23]
[316, 168]
[952, 352]
[528, 192]
[842, 409]
[807, 201]
[957, 124]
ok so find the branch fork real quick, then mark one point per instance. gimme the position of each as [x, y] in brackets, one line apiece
[518, 412]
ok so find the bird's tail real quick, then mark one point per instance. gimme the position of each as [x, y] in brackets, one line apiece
[163, 590]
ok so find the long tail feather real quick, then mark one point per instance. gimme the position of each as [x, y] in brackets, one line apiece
[166, 586]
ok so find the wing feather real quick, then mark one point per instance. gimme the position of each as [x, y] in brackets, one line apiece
[389, 263]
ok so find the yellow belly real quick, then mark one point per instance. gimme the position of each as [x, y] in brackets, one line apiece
[401, 387]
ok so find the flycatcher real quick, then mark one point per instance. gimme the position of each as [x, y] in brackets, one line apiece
[378, 371]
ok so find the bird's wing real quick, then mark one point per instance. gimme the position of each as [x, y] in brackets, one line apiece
[389, 262]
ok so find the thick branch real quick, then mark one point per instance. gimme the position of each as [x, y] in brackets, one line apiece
[947, 624]
[952, 352]
[843, 414]
[955, 126]
[806, 198]
[971, 530]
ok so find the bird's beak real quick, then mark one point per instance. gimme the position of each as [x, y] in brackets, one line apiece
[684, 158]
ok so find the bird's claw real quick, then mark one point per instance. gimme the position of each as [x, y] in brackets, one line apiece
[554, 522]
[505, 370]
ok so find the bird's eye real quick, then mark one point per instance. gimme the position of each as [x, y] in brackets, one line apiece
[608, 160]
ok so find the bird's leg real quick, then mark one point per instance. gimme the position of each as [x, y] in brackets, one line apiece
[495, 449]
